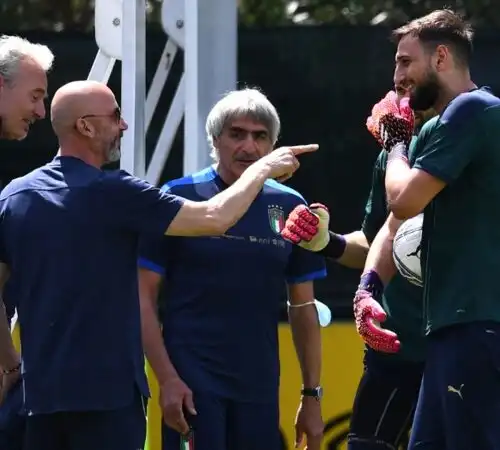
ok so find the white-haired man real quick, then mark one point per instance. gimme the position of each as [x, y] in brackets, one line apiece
[23, 89]
[219, 349]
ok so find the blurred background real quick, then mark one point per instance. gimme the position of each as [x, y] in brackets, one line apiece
[323, 63]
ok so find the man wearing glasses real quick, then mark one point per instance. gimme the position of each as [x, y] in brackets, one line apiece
[69, 234]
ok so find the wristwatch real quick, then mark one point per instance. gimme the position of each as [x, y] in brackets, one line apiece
[316, 392]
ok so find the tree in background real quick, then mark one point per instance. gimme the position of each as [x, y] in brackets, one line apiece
[77, 15]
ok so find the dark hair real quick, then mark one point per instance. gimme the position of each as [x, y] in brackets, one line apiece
[441, 27]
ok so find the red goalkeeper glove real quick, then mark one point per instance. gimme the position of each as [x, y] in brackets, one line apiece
[368, 315]
[308, 227]
[392, 121]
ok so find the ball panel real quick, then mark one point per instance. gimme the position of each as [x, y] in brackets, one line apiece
[406, 250]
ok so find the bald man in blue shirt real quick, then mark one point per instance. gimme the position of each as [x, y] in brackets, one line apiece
[69, 234]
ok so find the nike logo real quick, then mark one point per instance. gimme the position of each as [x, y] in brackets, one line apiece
[454, 390]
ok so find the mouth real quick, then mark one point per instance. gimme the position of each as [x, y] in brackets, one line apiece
[28, 122]
[246, 163]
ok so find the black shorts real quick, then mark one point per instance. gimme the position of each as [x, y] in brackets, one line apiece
[385, 403]
[459, 403]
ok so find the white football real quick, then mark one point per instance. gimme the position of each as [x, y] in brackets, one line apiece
[406, 249]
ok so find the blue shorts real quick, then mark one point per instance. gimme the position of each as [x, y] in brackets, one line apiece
[119, 429]
[228, 425]
[459, 401]
[12, 422]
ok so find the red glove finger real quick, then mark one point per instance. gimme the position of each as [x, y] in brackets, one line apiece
[304, 214]
[306, 233]
[368, 314]
[291, 236]
[405, 111]
[385, 343]
[306, 227]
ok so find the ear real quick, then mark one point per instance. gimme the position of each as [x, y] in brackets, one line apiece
[442, 57]
[85, 128]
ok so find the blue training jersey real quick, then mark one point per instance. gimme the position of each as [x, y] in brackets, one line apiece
[69, 233]
[223, 294]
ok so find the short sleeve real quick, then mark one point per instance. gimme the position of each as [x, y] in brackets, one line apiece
[376, 206]
[137, 205]
[153, 253]
[455, 140]
[3, 245]
[304, 265]
[155, 250]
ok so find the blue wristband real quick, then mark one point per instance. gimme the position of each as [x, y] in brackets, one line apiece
[371, 282]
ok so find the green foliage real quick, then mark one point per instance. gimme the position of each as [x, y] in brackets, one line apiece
[78, 15]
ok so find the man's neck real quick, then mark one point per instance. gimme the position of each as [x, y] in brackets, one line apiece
[224, 175]
[454, 87]
[75, 150]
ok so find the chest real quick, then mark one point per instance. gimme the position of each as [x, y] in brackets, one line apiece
[254, 241]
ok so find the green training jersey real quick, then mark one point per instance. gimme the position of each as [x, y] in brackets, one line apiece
[461, 231]
[402, 300]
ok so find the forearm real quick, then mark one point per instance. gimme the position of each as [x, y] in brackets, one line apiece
[9, 357]
[396, 177]
[307, 340]
[356, 249]
[231, 204]
[154, 348]
[379, 257]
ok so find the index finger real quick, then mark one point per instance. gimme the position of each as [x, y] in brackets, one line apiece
[299, 149]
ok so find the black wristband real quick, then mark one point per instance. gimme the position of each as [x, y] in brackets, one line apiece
[371, 282]
[335, 247]
[399, 151]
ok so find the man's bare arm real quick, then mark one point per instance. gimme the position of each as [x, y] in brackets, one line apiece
[409, 190]
[216, 215]
[9, 357]
[379, 257]
[356, 250]
[154, 349]
[174, 394]
[306, 332]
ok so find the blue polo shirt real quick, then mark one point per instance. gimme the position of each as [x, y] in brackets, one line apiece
[69, 233]
[223, 294]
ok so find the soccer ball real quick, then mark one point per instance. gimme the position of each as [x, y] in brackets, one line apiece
[406, 249]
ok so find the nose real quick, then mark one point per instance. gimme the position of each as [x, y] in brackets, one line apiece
[251, 142]
[123, 125]
[40, 110]
[399, 75]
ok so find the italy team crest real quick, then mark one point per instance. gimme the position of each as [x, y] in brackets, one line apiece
[276, 218]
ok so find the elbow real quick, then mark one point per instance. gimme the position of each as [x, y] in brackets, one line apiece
[402, 211]
[217, 223]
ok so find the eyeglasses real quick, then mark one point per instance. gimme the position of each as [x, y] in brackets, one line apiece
[116, 114]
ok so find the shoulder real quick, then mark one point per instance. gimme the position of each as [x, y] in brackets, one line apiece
[418, 142]
[186, 183]
[24, 183]
[287, 194]
[427, 128]
[467, 106]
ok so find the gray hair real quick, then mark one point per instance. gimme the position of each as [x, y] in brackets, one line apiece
[243, 103]
[14, 49]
